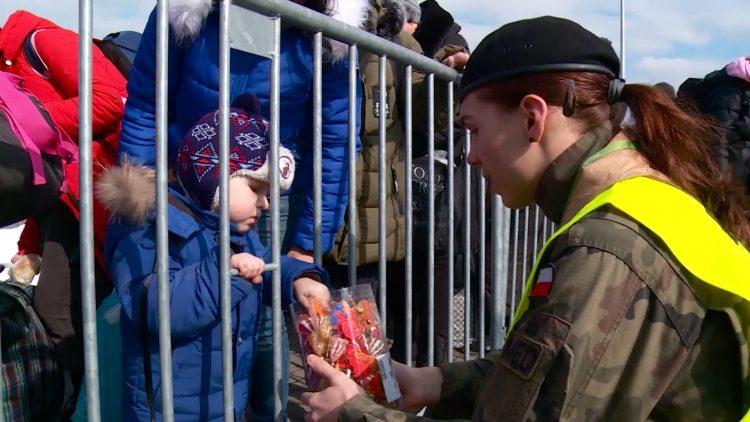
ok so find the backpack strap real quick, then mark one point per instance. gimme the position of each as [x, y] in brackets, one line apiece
[27, 123]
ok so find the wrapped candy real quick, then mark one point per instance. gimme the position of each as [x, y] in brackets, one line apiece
[347, 333]
[336, 348]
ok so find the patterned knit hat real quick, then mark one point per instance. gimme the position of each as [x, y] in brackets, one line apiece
[198, 156]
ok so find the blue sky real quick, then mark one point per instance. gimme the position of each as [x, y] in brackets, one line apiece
[666, 40]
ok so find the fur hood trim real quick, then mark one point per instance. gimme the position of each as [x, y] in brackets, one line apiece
[187, 17]
[128, 191]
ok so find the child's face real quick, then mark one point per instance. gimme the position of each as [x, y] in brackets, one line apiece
[247, 198]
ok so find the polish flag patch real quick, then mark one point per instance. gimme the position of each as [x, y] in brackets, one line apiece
[543, 283]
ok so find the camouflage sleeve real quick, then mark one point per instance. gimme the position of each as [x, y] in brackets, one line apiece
[461, 382]
[362, 408]
[601, 345]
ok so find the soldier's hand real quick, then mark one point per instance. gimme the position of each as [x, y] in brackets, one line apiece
[420, 387]
[326, 405]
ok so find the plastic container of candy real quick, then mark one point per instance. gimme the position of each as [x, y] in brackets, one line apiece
[348, 334]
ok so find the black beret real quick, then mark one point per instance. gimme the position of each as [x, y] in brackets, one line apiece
[545, 44]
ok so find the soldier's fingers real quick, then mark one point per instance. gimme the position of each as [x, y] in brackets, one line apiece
[322, 368]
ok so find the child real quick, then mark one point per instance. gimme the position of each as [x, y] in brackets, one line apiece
[193, 226]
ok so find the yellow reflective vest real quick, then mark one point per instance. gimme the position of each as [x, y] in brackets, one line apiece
[720, 264]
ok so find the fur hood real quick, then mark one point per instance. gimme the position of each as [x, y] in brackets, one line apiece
[128, 192]
[186, 17]
[386, 18]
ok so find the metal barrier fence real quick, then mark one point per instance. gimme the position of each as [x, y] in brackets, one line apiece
[507, 278]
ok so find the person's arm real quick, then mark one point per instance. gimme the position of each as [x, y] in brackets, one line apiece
[452, 386]
[58, 50]
[335, 158]
[291, 270]
[137, 138]
[193, 288]
[584, 351]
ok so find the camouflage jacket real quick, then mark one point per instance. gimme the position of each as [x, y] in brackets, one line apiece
[620, 335]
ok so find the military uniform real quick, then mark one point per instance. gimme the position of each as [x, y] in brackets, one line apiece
[614, 331]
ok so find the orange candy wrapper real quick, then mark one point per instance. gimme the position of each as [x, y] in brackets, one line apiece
[348, 334]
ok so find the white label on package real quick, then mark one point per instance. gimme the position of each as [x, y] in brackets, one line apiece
[392, 392]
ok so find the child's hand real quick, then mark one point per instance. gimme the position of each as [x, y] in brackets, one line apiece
[305, 289]
[248, 266]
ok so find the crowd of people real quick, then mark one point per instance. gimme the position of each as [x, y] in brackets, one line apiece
[637, 309]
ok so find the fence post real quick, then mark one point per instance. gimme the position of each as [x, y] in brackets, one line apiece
[431, 219]
[88, 294]
[227, 364]
[408, 211]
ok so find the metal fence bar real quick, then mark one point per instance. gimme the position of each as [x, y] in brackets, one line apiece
[622, 39]
[162, 239]
[408, 217]
[318, 147]
[225, 288]
[275, 223]
[431, 220]
[527, 210]
[467, 249]
[451, 221]
[482, 278]
[382, 111]
[536, 231]
[311, 21]
[352, 165]
[88, 294]
[514, 274]
[505, 234]
[498, 304]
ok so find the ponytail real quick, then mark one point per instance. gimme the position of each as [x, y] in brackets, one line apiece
[680, 144]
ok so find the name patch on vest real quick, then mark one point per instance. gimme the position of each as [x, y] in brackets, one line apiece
[521, 355]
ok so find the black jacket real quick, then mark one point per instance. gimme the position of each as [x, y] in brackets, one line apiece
[727, 100]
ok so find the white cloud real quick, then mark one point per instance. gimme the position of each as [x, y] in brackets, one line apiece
[665, 40]
[674, 70]
[652, 25]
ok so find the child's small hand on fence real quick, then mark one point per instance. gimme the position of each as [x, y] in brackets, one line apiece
[305, 289]
[248, 267]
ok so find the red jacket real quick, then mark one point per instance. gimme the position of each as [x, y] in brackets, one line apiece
[58, 49]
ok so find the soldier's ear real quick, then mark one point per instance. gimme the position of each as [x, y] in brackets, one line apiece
[534, 110]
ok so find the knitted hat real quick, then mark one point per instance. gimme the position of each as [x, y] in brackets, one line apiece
[198, 156]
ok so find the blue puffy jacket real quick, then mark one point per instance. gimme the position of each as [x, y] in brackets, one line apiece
[194, 308]
[193, 90]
